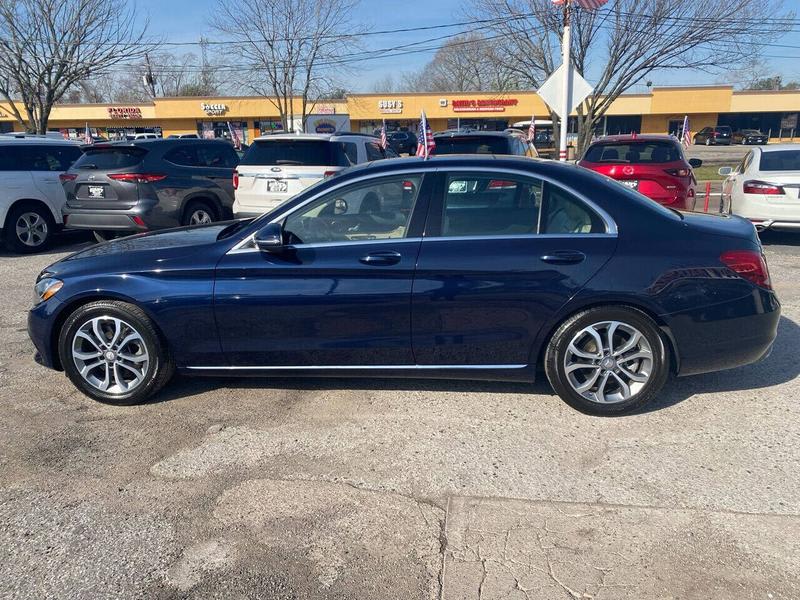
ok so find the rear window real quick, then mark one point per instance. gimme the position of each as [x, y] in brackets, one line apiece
[483, 144]
[633, 152]
[110, 158]
[318, 153]
[780, 160]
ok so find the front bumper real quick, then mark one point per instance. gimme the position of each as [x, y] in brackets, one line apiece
[40, 329]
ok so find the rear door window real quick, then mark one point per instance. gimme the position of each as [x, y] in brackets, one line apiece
[296, 153]
[218, 156]
[472, 144]
[566, 214]
[184, 155]
[633, 153]
[47, 158]
[780, 160]
[110, 158]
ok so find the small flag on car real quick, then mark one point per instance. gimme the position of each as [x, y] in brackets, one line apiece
[532, 129]
[425, 143]
[686, 135]
[237, 143]
[384, 139]
[87, 136]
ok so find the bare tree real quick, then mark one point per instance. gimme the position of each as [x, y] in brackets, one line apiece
[618, 47]
[48, 46]
[289, 48]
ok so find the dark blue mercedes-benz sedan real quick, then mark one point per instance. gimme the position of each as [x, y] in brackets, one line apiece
[456, 267]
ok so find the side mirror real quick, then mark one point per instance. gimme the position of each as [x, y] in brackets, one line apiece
[270, 238]
[725, 171]
[695, 162]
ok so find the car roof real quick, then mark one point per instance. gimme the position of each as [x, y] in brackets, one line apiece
[38, 141]
[778, 147]
[458, 134]
[627, 137]
[294, 136]
[154, 143]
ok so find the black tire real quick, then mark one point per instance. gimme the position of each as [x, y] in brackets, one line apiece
[159, 367]
[198, 207]
[37, 238]
[659, 363]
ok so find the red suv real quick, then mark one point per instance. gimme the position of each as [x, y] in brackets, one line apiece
[654, 165]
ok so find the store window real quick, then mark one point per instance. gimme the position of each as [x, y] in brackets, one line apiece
[233, 131]
[269, 126]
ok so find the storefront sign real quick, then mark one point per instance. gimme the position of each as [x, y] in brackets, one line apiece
[214, 109]
[789, 121]
[325, 110]
[124, 112]
[390, 106]
[484, 105]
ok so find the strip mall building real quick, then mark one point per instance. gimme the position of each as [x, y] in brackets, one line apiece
[660, 111]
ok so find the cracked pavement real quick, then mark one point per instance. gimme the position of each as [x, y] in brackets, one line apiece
[235, 488]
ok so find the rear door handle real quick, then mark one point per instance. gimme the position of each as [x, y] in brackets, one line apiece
[564, 257]
[381, 258]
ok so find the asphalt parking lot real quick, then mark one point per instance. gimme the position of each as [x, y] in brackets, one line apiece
[398, 488]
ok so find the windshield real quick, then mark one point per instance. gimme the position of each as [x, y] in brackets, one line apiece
[633, 152]
[780, 160]
[319, 153]
[474, 144]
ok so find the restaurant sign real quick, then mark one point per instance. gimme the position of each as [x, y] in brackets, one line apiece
[124, 112]
[390, 106]
[484, 105]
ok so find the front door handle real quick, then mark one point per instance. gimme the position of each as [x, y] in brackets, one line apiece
[564, 257]
[381, 258]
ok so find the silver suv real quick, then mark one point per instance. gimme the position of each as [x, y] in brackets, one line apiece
[276, 167]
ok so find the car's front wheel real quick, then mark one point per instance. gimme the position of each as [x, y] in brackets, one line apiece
[607, 360]
[29, 228]
[112, 353]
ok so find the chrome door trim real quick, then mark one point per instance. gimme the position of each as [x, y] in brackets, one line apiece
[358, 367]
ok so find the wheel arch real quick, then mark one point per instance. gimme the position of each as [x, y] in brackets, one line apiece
[28, 201]
[206, 197]
[549, 330]
[75, 303]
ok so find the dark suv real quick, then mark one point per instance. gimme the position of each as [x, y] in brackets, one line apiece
[711, 136]
[129, 187]
[483, 142]
[403, 142]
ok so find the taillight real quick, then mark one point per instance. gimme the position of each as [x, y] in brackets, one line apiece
[748, 264]
[137, 177]
[329, 173]
[236, 180]
[713, 134]
[678, 172]
[65, 177]
[762, 187]
[408, 186]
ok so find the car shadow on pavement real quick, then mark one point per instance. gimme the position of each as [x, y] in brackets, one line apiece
[780, 238]
[64, 242]
[780, 367]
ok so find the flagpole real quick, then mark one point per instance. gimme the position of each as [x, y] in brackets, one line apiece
[565, 52]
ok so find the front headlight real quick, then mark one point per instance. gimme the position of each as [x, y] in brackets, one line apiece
[46, 288]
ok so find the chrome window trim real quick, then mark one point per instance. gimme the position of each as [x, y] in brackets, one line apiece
[608, 220]
[356, 367]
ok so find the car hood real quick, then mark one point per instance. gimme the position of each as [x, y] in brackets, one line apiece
[161, 249]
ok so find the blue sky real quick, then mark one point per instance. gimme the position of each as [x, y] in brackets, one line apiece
[188, 20]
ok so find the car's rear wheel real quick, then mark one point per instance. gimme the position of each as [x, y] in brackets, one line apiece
[607, 360]
[29, 228]
[198, 212]
[112, 353]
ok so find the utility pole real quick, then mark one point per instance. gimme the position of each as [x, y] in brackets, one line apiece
[565, 51]
[149, 79]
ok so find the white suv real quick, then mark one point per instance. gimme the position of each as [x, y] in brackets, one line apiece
[276, 167]
[31, 194]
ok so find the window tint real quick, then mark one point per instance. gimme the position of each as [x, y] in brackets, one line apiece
[377, 210]
[564, 213]
[183, 155]
[110, 158]
[219, 156]
[491, 205]
[375, 152]
[780, 160]
[289, 153]
[351, 152]
[42, 158]
[633, 152]
[471, 144]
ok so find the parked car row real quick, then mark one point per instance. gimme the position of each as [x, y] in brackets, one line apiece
[724, 135]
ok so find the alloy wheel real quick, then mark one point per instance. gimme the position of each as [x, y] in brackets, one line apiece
[200, 216]
[110, 355]
[608, 362]
[31, 229]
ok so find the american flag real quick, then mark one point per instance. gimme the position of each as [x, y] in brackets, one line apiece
[425, 143]
[237, 143]
[686, 136]
[587, 4]
[532, 129]
[384, 139]
[87, 136]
